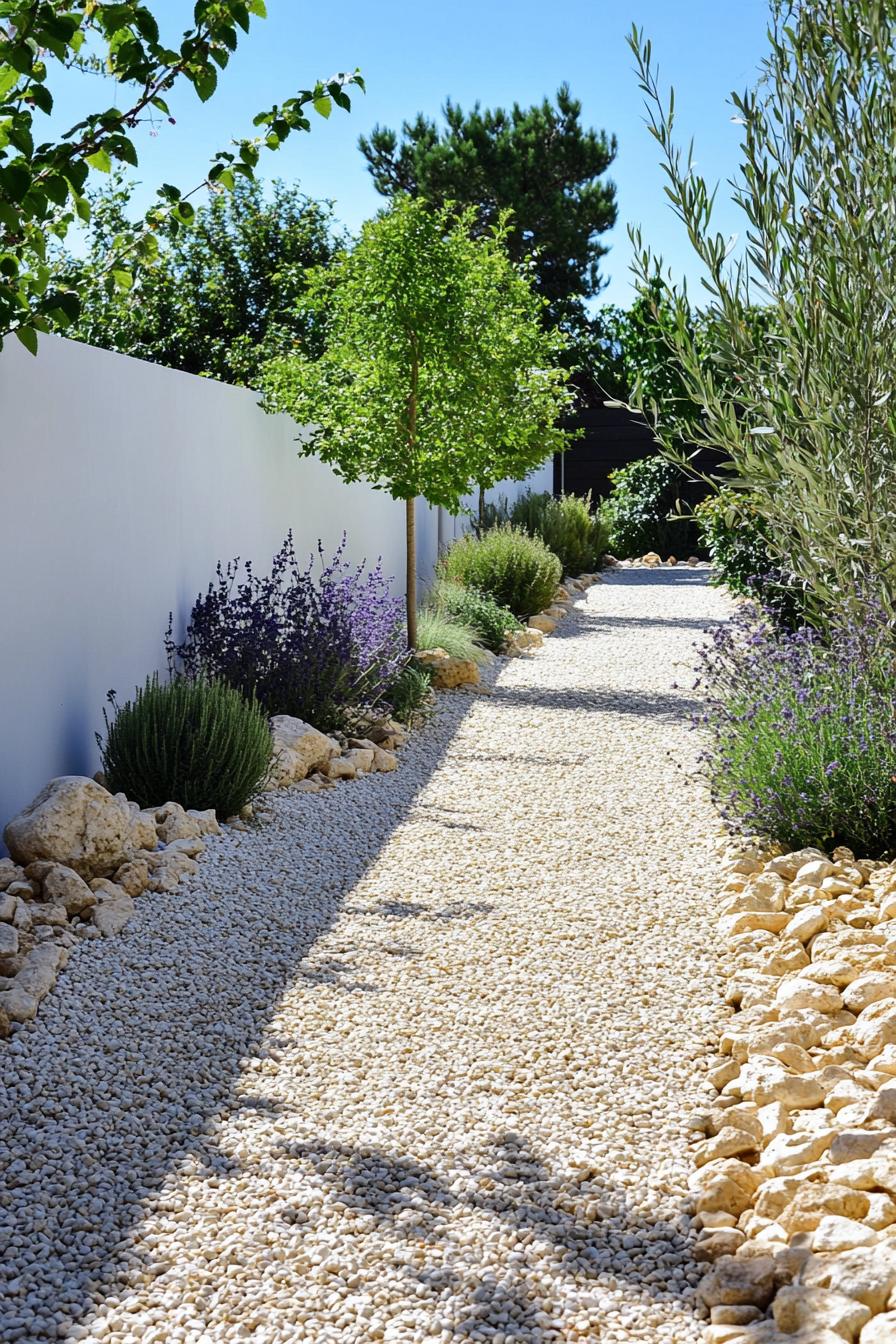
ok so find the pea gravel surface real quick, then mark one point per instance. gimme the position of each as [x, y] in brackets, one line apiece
[412, 1059]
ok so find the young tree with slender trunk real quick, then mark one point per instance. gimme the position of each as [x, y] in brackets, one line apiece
[437, 369]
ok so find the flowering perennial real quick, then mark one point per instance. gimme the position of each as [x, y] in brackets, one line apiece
[803, 731]
[325, 649]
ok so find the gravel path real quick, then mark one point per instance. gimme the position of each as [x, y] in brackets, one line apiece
[410, 1061]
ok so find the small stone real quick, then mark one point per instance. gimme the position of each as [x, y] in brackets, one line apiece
[9, 942]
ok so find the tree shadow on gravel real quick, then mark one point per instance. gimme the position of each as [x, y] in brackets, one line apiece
[138, 1054]
[109, 1092]
[638, 704]
[584, 1223]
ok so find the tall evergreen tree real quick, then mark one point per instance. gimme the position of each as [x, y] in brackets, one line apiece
[540, 162]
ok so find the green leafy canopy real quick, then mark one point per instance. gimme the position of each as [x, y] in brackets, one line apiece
[436, 371]
[539, 162]
[43, 182]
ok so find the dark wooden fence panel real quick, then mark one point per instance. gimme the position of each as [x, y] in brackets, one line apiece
[614, 436]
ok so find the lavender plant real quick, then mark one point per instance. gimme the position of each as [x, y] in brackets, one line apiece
[802, 734]
[324, 647]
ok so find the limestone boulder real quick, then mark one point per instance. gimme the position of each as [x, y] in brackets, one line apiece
[115, 907]
[143, 833]
[63, 886]
[797, 1307]
[384, 761]
[298, 751]
[525, 639]
[880, 1329]
[173, 822]
[867, 1274]
[75, 822]
[447, 672]
[41, 967]
[736, 1280]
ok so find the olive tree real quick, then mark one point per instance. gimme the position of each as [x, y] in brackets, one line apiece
[437, 370]
[810, 427]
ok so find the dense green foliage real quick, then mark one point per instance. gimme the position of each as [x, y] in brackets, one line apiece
[492, 623]
[437, 629]
[43, 181]
[194, 742]
[410, 693]
[811, 431]
[436, 367]
[733, 533]
[567, 525]
[224, 296]
[639, 511]
[539, 162]
[517, 570]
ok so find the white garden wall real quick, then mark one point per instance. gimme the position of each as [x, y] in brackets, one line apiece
[123, 484]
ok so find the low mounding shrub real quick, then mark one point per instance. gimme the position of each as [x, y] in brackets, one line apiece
[323, 648]
[194, 742]
[567, 526]
[490, 622]
[410, 693]
[637, 510]
[436, 629]
[516, 570]
[803, 733]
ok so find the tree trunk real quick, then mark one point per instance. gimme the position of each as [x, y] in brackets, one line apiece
[410, 508]
[481, 509]
[411, 570]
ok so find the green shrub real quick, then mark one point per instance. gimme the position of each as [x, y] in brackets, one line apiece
[567, 526]
[637, 510]
[735, 536]
[491, 622]
[516, 570]
[195, 742]
[436, 629]
[409, 694]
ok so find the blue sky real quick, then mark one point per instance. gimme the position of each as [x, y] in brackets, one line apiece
[497, 51]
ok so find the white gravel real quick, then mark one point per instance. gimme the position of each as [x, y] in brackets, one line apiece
[412, 1060]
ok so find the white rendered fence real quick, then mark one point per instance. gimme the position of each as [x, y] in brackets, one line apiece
[122, 486]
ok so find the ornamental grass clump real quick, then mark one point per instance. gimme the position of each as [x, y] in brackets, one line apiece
[803, 732]
[323, 647]
[438, 630]
[491, 622]
[194, 742]
[516, 570]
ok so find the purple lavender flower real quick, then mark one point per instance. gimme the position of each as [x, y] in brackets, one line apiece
[322, 648]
